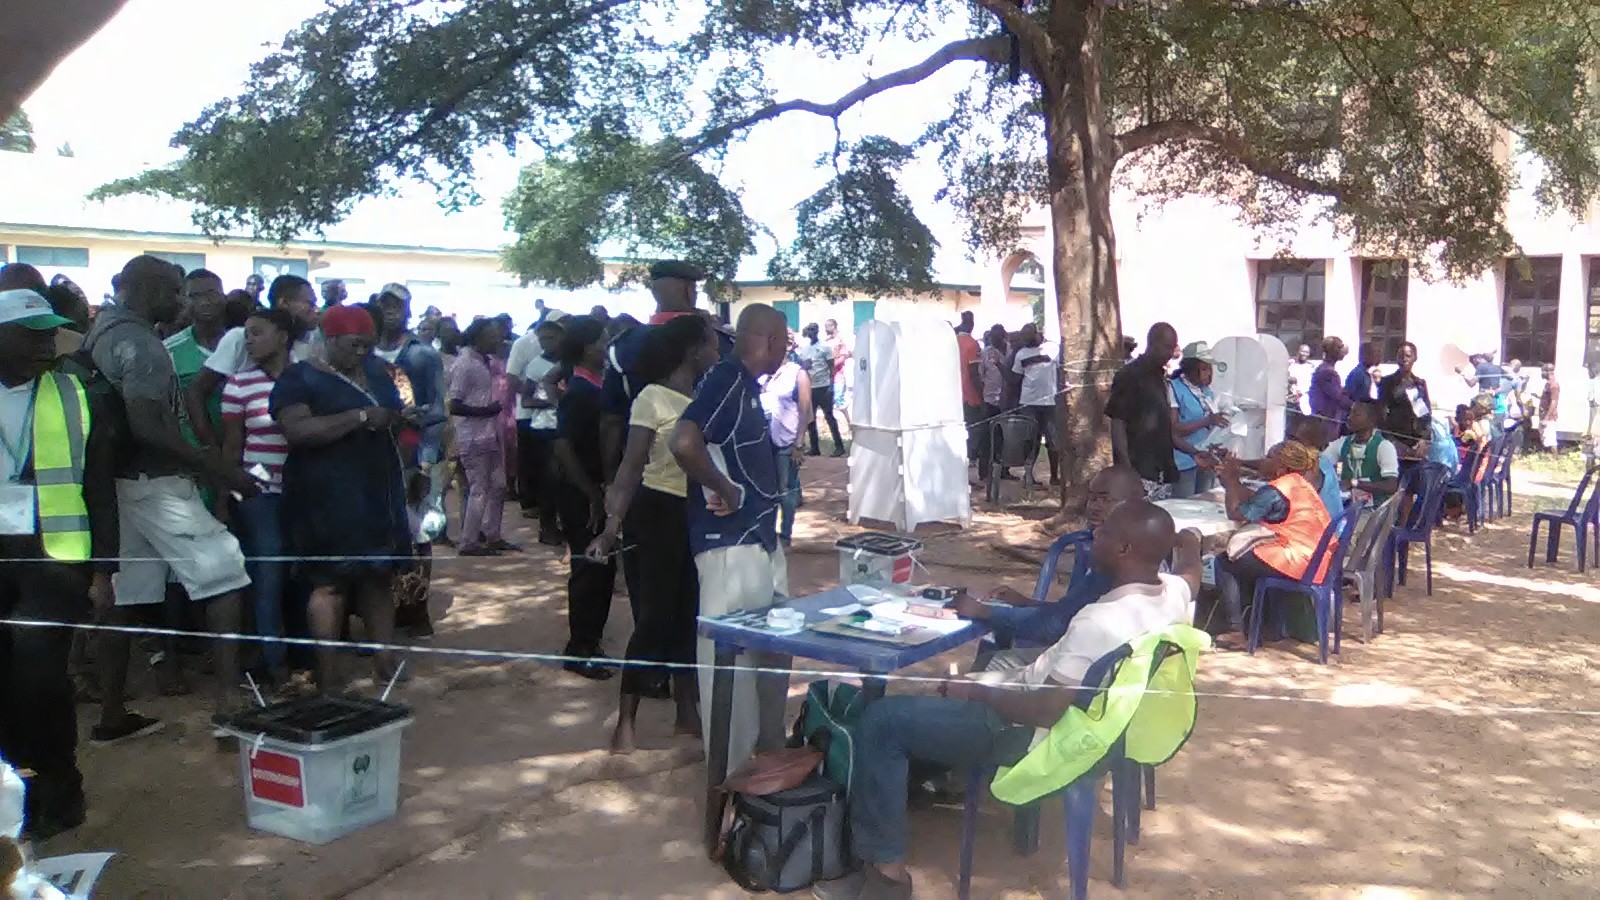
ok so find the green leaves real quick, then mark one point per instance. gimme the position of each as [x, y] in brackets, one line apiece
[1394, 120]
[610, 191]
[16, 134]
[860, 231]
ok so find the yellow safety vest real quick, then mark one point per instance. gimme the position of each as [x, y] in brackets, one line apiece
[1153, 712]
[60, 436]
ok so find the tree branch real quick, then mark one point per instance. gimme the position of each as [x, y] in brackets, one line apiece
[1234, 145]
[1036, 41]
[508, 60]
[992, 49]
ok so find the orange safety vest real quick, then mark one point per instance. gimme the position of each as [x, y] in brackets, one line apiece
[1299, 532]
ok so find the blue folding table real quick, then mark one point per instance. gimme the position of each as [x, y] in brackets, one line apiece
[872, 660]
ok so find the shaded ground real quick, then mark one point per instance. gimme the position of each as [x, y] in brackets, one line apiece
[1386, 773]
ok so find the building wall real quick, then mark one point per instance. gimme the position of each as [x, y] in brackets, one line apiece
[461, 283]
[947, 306]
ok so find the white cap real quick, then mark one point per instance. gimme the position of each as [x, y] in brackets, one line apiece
[396, 290]
[29, 309]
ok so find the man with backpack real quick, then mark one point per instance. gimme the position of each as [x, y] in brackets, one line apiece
[165, 527]
[58, 544]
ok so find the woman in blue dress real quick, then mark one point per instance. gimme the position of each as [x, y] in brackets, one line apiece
[344, 496]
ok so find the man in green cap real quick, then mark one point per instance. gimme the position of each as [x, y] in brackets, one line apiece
[58, 512]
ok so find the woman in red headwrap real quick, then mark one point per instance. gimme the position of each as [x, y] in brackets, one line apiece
[344, 495]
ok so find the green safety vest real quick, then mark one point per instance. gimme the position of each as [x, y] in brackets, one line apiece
[60, 436]
[1153, 712]
[1369, 463]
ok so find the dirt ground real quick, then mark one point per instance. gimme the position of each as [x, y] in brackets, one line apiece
[1454, 756]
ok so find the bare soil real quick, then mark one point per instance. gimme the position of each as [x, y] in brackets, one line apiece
[1454, 756]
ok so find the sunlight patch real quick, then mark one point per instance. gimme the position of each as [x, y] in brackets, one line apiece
[1373, 693]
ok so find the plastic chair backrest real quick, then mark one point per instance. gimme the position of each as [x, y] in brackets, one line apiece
[1099, 676]
[1501, 469]
[1591, 510]
[1017, 434]
[1488, 460]
[1577, 500]
[1079, 541]
[1372, 532]
[1340, 529]
[1428, 482]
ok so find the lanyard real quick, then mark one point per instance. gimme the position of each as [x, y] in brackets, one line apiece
[20, 447]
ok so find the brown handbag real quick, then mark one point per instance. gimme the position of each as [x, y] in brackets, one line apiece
[769, 773]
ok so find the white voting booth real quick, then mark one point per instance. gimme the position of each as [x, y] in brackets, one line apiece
[1252, 392]
[908, 454]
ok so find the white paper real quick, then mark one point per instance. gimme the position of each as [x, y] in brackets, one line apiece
[866, 593]
[17, 508]
[896, 611]
[73, 875]
[842, 610]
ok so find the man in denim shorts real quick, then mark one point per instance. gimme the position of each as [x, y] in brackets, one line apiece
[166, 528]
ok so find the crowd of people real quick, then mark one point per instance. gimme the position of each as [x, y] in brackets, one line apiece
[260, 463]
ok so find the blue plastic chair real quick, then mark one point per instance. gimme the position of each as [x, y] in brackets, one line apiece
[1426, 484]
[1499, 481]
[1078, 799]
[1583, 515]
[1079, 541]
[1469, 484]
[1327, 594]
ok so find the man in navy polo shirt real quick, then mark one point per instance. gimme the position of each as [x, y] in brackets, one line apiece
[724, 446]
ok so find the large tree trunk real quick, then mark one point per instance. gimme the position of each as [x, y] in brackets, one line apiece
[1080, 159]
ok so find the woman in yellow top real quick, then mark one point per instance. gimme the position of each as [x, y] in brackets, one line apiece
[648, 496]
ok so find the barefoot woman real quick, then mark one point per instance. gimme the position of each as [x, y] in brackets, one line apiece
[648, 494]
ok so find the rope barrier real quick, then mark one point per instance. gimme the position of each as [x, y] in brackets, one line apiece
[1438, 705]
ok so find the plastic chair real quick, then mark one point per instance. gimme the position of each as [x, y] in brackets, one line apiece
[1327, 595]
[1499, 480]
[1468, 484]
[1427, 483]
[1580, 514]
[1366, 553]
[1079, 541]
[1013, 435]
[1078, 799]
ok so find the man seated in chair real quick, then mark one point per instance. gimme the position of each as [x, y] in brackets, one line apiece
[997, 721]
[1367, 460]
[1017, 617]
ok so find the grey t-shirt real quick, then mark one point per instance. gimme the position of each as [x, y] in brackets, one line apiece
[133, 358]
[818, 360]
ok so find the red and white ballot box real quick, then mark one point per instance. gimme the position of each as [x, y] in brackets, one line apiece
[318, 768]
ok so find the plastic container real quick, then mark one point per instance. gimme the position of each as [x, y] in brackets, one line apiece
[875, 558]
[318, 768]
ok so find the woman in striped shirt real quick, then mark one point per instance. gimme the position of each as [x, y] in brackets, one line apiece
[252, 437]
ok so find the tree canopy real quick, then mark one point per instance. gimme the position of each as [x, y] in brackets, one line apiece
[1393, 111]
[16, 133]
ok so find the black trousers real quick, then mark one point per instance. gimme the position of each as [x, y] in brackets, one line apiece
[975, 440]
[536, 486]
[990, 443]
[669, 589]
[589, 584]
[822, 402]
[1236, 583]
[38, 722]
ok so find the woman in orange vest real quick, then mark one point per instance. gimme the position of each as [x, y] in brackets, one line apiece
[1290, 506]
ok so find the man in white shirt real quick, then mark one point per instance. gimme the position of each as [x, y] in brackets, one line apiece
[998, 723]
[1037, 398]
[1301, 370]
[290, 292]
[1367, 460]
[533, 356]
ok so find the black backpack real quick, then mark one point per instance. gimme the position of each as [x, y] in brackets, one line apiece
[109, 424]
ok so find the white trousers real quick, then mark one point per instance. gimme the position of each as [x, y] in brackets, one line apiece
[733, 579]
